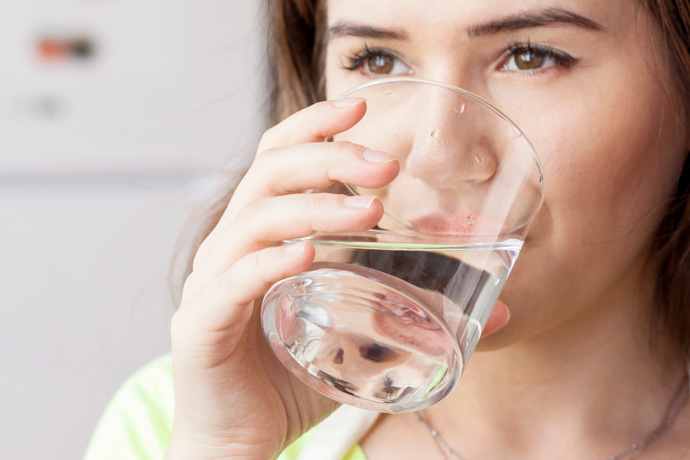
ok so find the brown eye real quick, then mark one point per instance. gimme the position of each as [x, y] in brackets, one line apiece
[529, 60]
[381, 64]
[376, 63]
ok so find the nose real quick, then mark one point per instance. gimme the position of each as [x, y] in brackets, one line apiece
[455, 141]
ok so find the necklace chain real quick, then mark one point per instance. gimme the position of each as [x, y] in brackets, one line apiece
[679, 399]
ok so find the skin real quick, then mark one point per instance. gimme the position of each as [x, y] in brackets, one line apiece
[580, 369]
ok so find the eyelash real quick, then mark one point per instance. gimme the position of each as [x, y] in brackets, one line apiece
[357, 60]
[560, 58]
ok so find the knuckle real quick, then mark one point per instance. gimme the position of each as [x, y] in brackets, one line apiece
[334, 149]
[190, 288]
[314, 128]
[261, 160]
[251, 213]
[351, 148]
[238, 284]
[317, 202]
[340, 147]
[338, 154]
[228, 283]
[344, 151]
[263, 265]
[265, 173]
[201, 254]
[314, 131]
[268, 137]
[254, 263]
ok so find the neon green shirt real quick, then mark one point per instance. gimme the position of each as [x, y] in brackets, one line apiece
[137, 422]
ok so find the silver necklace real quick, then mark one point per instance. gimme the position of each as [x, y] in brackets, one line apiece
[674, 408]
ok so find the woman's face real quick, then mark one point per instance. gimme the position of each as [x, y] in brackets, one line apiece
[585, 81]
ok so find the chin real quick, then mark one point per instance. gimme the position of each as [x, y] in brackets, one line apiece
[501, 339]
[523, 324]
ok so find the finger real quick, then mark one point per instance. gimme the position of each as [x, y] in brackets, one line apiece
[500, 316]
[268, 221]
[217, 316]
[312, 166]
[315, 123]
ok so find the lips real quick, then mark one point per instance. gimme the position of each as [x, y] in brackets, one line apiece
[446, 225]
[438, 224]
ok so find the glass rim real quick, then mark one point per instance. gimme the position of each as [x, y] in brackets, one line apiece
[465, 93]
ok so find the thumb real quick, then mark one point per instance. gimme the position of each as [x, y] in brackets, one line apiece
[499, 318]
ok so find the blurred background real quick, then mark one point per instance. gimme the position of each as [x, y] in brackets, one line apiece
[119, 121]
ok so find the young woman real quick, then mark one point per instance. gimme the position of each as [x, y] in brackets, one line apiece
[593, 363]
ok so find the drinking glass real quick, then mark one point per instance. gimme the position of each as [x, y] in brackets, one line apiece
[387, 319]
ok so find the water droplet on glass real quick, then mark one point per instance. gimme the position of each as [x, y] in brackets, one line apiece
[471, 220]
[434, 133]
[460, 109]
[479, 157]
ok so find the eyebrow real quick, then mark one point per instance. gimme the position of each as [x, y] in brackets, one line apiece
[529, 19]
[356, 30]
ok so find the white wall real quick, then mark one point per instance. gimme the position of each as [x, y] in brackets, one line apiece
[101, 163]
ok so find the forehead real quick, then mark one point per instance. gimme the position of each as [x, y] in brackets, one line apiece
[461, 17]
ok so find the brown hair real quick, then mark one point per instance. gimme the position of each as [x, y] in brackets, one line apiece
[671, 245]
[296, 62]
[296, 55]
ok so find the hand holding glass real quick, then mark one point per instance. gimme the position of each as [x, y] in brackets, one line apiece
[387, 319]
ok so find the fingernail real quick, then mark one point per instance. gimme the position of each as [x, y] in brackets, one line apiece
[348, 102]
[295, 248]
[360, 202]
[374, 156]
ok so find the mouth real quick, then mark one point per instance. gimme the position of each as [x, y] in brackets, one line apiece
[438, 224]
[464, 224]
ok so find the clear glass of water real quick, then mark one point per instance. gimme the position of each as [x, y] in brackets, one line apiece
[387, 319]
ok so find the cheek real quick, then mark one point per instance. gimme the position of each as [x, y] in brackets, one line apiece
[610, 164]
[611, 161]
